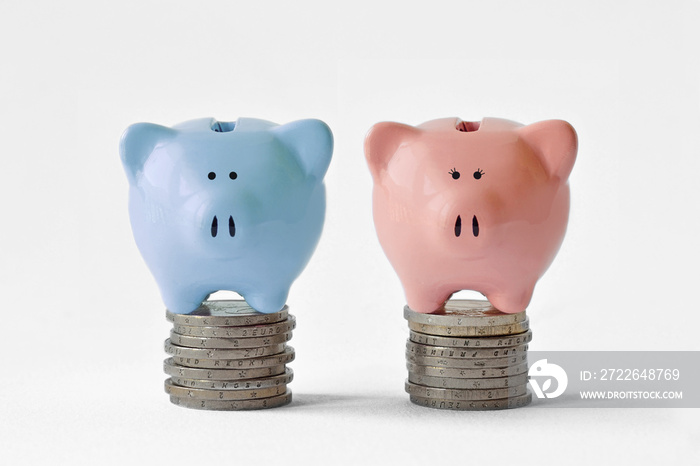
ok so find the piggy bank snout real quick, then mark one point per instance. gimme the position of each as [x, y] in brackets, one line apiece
[219, 220]
[465, 215]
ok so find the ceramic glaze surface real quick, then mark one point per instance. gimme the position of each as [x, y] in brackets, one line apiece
[226, 205]
[471, 205]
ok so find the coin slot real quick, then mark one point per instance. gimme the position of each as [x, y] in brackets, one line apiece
[468, 126]
[223, 126]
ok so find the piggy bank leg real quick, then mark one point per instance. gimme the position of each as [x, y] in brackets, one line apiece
[267, 301]
[511, 302]
[181, 301]
[425, 300]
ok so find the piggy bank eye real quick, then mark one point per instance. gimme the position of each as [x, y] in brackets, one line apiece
[233, 175]
[211, 175]
[478, 174]
[454, 173]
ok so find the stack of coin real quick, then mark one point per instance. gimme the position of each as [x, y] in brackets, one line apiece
[227, 356]
[468, 356]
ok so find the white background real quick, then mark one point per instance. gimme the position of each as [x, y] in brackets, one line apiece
[82, 321]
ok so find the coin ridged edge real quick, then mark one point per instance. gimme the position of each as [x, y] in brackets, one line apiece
[463, 353]
[464, 394]
[244, 331]
[486, 315]
[284, 357]
[222, 353]
[230, 320]
[471, 331]
[466, 373]
[234, 374]
[190, 341]
[222, 395]
[467, 363]
[473, 405]
[234, 405]
[245, 384]
[515, 339]
[467, 384]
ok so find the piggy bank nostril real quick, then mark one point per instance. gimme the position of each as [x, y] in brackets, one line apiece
[458, 226]
[231, 227]
[475, 226]
[214, 227]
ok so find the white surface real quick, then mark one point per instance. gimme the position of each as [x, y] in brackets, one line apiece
[74, 75]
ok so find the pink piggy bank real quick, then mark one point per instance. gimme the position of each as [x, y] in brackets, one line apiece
[471, 205]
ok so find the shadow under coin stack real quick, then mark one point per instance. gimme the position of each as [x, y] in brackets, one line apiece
[227, 356]
[470, 357]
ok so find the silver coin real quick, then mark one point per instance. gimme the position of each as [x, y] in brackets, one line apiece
[482, 405]
[224, 313]
[467, 384]
[250, 363]
[172, 369]
[227, 395]
[464, 394]
[265, 382]
[461, 373]
[234, 405]
[471, 331]
[467, 363]
[237, 332]
[228, 343]
[463, 353]
[219, 353]
[462, 342]
[465, 312]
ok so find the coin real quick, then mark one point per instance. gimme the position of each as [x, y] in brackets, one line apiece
[265, 382]
[487, 372]
[457, 394]
[250, 363]
[467, 363]
[464, 353]
[226, 313]
[172, 369]
[481, 405]
[218, 353]
[464, 384]
[234, 405]
[204, 394]
[464, 312]
[237, 332]
[228, 343]
[458, 342]
[469, 331]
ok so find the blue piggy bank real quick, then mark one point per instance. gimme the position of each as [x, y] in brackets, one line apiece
[233, 206]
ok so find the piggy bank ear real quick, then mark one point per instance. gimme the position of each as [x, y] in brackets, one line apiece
[312, 143]
[555, 142]
[382, 141]
[137, 143]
